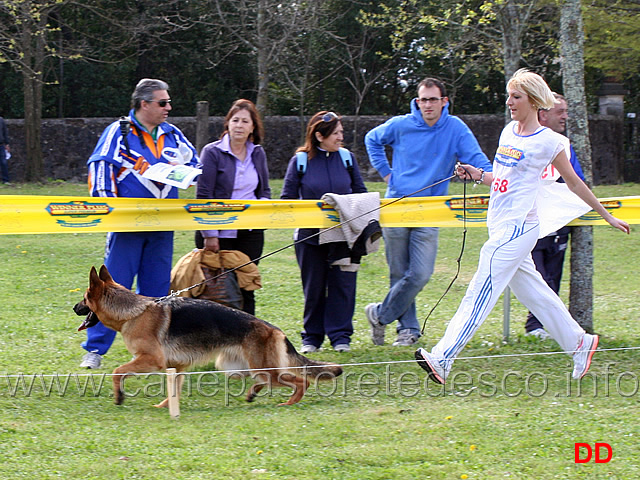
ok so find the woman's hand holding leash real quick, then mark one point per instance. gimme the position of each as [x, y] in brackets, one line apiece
[469, 172]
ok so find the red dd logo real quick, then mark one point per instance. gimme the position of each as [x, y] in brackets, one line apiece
[579, 447]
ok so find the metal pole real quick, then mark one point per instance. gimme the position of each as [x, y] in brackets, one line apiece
[506, 314]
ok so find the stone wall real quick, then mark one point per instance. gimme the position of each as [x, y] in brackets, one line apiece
[67, 143]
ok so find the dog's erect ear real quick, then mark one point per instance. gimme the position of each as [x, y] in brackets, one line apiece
[93, 276]
[105, 276]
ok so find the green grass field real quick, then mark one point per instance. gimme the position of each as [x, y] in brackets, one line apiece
[509, 410]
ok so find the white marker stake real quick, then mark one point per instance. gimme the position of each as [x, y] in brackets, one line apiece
[172, 393]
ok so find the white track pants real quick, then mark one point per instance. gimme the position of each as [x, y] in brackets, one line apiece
[505, 259]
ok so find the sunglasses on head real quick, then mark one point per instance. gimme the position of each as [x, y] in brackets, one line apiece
[161, 103]
[329, 116]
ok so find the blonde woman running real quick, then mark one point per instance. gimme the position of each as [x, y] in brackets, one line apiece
[525, 150]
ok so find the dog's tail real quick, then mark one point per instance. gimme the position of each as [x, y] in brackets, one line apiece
[319, 370]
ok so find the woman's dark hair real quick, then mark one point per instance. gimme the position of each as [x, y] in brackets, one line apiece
[258, 129]
[325, 123]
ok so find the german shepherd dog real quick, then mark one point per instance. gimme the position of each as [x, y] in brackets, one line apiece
[182, 332]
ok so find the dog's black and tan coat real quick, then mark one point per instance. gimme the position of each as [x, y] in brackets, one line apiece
[179, 333]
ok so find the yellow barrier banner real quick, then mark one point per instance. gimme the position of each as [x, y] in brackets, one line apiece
[23, 214]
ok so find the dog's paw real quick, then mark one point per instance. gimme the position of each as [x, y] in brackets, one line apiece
[119, 398]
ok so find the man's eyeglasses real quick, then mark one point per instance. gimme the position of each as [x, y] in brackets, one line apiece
[430, 100]
[161, 103]
[327, 117]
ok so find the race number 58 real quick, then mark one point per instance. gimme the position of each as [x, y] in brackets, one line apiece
[500, 185]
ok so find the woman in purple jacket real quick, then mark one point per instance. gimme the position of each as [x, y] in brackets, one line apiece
[329, 292]
[236, 167]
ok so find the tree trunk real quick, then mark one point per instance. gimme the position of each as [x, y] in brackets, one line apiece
[32, 117]
[511, 50]
[581, 284]
[262, 99]
[572, 51]
[34, 54]
[514, 18]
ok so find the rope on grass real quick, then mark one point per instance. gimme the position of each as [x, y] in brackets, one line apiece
[308, 367]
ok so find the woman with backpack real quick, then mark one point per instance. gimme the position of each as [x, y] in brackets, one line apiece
[321, 166]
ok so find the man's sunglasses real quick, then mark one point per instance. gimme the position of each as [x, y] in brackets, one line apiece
[161, 103]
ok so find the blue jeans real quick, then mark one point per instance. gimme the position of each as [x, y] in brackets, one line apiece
[411, 256]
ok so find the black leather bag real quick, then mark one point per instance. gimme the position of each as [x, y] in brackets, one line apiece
[220, 288]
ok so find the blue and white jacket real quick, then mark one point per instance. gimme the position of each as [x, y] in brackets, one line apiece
[116, 172]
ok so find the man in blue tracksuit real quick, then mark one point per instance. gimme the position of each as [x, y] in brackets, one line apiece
[123, 153]
[426, 144]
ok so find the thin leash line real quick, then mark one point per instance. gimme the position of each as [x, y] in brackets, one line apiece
[178, 292]
[308, 367]
[459, 259]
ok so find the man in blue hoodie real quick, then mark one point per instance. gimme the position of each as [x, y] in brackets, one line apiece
[426, 145]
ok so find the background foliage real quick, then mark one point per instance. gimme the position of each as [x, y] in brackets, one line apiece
[353, 56]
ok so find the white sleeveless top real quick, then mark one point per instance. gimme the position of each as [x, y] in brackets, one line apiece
[517, 169]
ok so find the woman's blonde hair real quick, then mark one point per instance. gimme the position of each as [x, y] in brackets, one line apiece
[534, 86]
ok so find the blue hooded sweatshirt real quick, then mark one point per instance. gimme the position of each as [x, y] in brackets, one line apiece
[422, 155]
